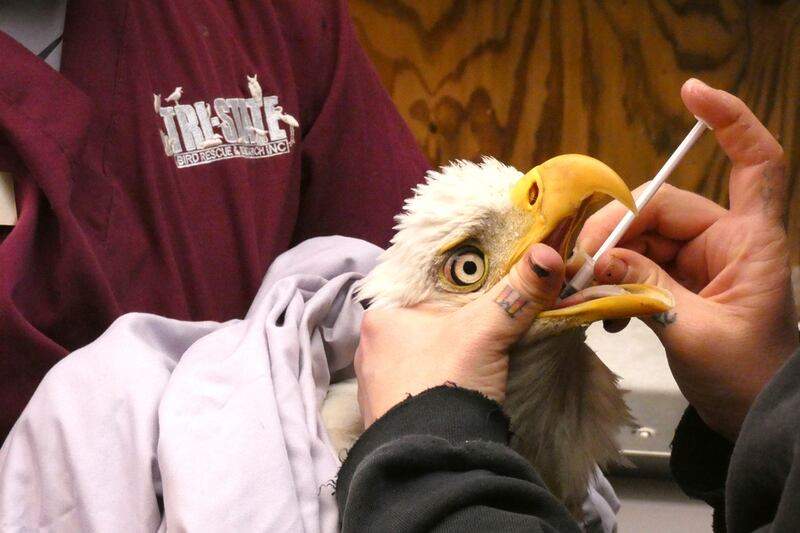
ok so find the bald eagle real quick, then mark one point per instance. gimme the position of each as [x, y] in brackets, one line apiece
[459, 235]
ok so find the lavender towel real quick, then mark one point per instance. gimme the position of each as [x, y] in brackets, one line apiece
[201, 426]
[221, 420]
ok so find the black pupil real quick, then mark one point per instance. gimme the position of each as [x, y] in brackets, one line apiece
[470, 268]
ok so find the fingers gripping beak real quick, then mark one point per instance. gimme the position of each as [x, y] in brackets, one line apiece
[556, 195]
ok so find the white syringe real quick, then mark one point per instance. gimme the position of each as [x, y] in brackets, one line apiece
[585, 274]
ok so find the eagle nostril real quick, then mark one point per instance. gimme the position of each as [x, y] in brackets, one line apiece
[533, 193]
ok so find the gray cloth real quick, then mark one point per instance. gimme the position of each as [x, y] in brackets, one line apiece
[220, 421]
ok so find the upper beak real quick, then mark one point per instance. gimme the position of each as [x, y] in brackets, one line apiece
[556, 195]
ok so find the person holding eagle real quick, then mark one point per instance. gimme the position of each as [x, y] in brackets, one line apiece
[130, 204]
[438, 449]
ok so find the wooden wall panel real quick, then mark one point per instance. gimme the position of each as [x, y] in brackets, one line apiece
[524, 80]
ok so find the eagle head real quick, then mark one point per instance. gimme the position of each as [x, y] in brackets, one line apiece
[460, 233]
[466, 226]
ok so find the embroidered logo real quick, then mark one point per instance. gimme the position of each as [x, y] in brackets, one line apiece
[199, 134]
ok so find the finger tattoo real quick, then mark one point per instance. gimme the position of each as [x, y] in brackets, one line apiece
[510, 300]
[666, 318]
[767, 188]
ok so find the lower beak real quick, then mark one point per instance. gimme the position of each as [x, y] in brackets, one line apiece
[630, 301]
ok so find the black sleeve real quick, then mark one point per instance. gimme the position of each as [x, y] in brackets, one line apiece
[699, 463]
[440, 461]
[753, 485]
[763, 487]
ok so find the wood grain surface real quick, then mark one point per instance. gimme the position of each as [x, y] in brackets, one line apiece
[524, 80]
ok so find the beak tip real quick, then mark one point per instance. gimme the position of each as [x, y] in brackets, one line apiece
[592, 175]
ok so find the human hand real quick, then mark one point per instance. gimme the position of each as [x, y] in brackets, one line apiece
[406, 351]
[734, 321]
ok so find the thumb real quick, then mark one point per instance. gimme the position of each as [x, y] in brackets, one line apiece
[530, 287]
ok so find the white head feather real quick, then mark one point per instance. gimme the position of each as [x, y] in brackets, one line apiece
[461, 199]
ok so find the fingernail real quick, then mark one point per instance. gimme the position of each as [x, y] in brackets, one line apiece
[616, 269]
[537, 262]
[694, 81]
[577, 259]
[615, 325]
[538, 269]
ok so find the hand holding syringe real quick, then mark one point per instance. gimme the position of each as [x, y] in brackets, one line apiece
[585, 274]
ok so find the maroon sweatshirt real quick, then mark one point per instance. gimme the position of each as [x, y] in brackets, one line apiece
[134, 195]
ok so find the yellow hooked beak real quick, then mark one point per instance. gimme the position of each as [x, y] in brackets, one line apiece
[556, 195]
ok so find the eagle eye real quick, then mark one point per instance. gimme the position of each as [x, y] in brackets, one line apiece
[465, 267]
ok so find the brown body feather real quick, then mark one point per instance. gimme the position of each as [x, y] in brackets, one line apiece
[565, 410]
